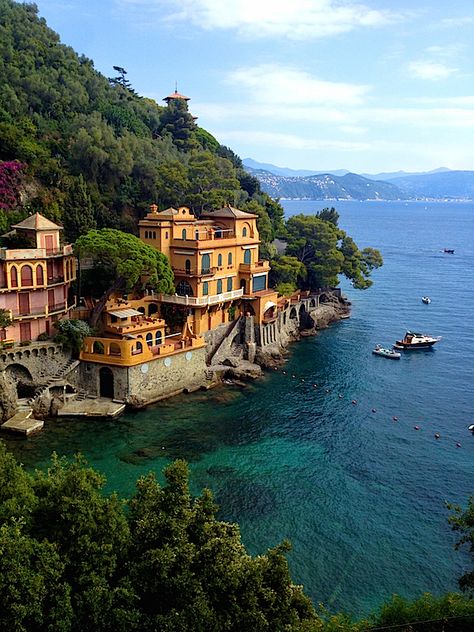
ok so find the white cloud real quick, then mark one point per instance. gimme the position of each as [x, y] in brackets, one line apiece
[430, 70]
[289, 141]
[462, 20]
[295, 19]
[270, 83]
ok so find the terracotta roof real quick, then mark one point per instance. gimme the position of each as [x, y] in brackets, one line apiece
[229, 211]
[176, 95]
[37, 222]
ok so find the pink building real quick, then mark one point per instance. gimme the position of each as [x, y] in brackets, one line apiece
[35, 278]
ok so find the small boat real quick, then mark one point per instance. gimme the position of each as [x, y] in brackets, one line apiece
[412, 340]
[426, 299]
[386, 353]
[449, 251]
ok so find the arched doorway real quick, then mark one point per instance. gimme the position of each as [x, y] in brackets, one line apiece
[243, 285]
[106, 378]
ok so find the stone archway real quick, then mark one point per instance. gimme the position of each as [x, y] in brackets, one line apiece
[106, 382]
[22, 378]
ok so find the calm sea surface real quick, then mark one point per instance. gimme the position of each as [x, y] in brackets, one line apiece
[360, 496]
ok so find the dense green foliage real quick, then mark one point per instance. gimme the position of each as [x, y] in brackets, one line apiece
[96, 154]
[71, 334]
[462, 520]
[73, 558]
[325, 251]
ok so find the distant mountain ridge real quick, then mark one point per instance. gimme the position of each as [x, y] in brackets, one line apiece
[439, 184]
[286, 171]
[326, 186]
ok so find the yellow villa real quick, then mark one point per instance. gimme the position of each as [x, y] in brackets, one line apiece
[215, 261]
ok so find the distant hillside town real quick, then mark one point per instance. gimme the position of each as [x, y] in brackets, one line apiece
[441, 184]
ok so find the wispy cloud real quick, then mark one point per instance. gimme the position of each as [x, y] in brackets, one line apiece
[462, 20]
[430, 70]
[276, 84]
[289, 141]
[298, 19]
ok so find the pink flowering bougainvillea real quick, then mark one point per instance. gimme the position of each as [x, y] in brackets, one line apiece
[11, 174]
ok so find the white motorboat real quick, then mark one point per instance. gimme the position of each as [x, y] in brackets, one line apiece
[412, 340]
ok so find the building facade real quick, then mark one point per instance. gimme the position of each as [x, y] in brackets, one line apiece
[35, 279]
[215, 262]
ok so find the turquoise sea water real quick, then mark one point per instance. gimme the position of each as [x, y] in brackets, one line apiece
[360, 496]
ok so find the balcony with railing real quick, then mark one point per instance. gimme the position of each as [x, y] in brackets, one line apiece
[41, 310]
[201, 301]
[255, 267]
[22, 254]
[55, 280]
[194, 272]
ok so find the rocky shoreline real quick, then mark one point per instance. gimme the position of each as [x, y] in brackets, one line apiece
[237, 368]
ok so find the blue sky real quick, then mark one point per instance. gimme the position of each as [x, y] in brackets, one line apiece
[368, 86]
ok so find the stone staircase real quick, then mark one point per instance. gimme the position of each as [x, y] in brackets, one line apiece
[55, 379]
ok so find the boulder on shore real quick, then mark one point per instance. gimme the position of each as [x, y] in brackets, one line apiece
[245, 371]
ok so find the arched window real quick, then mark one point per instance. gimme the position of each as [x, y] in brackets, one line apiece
[149, 339]
[229, 284]
[196, 235]
[114, 349]
[26, 276]
[219, 260]
[244, 231]
[205, 264]
[183, 234]
[166, 235]
[248, 256]
[154, 234]
[152, 309]
[218, 233]
[98, 347]
[146, 234]
[187, 266]
[229, 259]
[39, 275]
[205, 288]
[158, 338]
[14, 276]
[138, 348]
[219, 286]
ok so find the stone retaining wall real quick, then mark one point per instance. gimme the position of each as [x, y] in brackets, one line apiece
[149, 382]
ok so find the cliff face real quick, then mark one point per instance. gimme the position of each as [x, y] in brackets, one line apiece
[8, 398]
